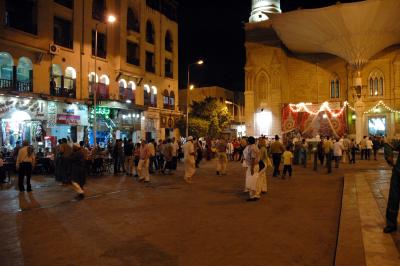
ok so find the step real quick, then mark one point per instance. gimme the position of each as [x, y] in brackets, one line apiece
[361, 240]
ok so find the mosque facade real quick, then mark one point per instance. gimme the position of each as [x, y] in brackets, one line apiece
[297, 85]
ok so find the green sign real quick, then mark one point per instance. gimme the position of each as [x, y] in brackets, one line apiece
[100, 110]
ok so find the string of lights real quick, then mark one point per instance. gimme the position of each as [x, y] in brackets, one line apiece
[381, 103]
[303, 107]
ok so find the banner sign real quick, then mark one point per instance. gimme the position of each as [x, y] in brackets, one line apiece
[73, 120]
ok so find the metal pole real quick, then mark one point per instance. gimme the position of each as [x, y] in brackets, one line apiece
[240, 120]
[95, 89]
[187, 101]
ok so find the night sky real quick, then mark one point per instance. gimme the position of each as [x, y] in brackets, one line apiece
[212, 30]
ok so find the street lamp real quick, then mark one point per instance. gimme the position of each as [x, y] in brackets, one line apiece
[240, 112]
[199, 62]
[110, 19]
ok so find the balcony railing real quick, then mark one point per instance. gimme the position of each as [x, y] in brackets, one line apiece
[63, 92]
[102, 91]
[18, 86]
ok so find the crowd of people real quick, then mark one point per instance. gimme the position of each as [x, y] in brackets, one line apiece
[73, 162]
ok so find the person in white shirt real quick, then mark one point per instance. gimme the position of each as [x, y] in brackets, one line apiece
[152, 159]
[25, 163]
[143, 166]
[337, 152]
[189, 154]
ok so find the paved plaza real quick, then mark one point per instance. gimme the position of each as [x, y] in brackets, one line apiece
[209, 222]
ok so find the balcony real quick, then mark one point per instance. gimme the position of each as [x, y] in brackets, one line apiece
[126, 94]
[63, 92]
[17, 86]
[102, 91]
[67, 88]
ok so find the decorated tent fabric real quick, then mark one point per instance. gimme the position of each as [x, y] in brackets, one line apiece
[310, 125]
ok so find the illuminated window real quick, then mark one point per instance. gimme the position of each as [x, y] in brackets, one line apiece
[376, 83]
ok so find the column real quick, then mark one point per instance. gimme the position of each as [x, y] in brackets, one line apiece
[359, 106]
[249, 112]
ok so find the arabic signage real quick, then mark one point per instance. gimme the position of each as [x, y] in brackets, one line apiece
[35, 108]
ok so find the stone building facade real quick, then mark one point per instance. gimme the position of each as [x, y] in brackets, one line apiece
[276, 77]
[136, 64]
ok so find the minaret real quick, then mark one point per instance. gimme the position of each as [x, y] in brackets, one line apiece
[261, 8]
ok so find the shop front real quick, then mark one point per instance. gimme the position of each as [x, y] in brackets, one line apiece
[67, 121]
[116, 120]
[22, 119]
[167, 125]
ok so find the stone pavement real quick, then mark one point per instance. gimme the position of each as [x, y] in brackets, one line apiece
[168, 222]
[361, 241]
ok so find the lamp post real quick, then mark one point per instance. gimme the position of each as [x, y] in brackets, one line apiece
[199, 62]
[110, 19]
[239, 110]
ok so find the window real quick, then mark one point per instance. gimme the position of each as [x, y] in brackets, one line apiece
[172, 100]
[149, 32]
[6, 66]
[24, 74]
[153, 97]
[132, 22]
[132, 90]
[22, 15]
[150, 64]
[376, 83]
[168, 41]
[146, 95]
[335, 88]
[62, 34]
[99, 9]
[168, 68]
[166, 99]
[101, 44]
[132, 53]
[66, 3]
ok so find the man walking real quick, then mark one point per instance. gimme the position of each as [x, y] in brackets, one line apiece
[328, 148]
[189, 154]
[276, 150]
[143, 166]
[222, 159]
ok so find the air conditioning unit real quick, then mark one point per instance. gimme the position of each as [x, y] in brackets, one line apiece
[54, 49]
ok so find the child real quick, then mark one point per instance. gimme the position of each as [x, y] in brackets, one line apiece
[287, 162]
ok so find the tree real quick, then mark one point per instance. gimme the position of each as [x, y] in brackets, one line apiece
[198, 127]
[209, 114]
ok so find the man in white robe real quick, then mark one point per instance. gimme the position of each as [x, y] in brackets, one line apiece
[189, 159]
[252, 158]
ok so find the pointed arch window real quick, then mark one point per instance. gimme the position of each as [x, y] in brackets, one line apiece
[376, 83]
[335, 88]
